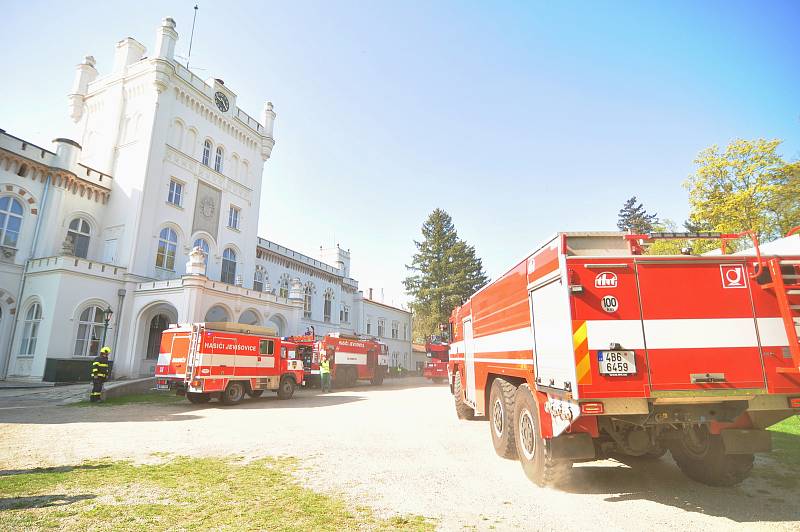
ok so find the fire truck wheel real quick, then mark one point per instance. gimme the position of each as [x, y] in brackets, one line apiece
[377, 380]
[501, 418]
[532, 449]
[255, 393]
[286, 388]
[233, 394]
[701, 457]
[463, 410]
[198, 398]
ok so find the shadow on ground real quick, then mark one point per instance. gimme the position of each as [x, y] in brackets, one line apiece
[762, 497]
[40, 501]
[58, 469]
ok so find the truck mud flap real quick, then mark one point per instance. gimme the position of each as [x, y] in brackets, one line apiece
[577, 446]
[746, 441]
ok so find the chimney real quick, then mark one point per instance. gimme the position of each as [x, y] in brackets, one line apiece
[370, 294]
[166, 37]
[128, 51]
[85, 73]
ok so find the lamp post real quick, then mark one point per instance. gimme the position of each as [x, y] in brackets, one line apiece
[106, 318]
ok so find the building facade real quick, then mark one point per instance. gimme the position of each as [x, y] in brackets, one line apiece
[160, 163]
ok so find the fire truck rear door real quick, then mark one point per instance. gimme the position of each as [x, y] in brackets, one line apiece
[469, 361]
[699, 326]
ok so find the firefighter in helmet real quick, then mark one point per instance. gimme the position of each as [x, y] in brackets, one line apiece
[100, 371]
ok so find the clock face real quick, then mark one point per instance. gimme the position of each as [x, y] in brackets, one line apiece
[222, 101]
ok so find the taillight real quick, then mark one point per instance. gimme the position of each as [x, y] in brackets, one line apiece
[592, 408]
[794, 402]
[196, 384]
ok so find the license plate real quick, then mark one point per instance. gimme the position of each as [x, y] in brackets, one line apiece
[616, 363]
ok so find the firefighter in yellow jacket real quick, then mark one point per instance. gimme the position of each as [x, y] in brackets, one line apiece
[100, 371]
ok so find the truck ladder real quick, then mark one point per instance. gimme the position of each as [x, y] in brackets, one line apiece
[785, 283]
[191, 358]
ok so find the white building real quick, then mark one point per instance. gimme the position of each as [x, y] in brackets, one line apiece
[162, 162]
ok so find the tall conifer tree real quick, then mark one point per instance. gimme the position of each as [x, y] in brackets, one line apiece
[446, 271]
[634, 217]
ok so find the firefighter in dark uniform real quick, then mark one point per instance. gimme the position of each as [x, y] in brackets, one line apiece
[99, 374]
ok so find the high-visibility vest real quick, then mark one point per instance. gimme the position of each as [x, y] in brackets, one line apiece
[325, 366]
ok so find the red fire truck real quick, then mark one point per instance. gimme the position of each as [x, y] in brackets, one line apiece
[226, 361]
[354, 358]
[436, 367]
[588, 347]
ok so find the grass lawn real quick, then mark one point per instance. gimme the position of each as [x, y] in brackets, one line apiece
[182, 494]
[786, 441]
[151, 397]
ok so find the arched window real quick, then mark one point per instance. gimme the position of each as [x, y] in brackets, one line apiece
[326, 311]
[206, 152]
[228, 266]
[202, 244]
[10, 221]
[258, 279]
[90, 332]
[283, 286]
[217, 313]
[78, 233]
[167, 247]
[308, 291]
[249, 317]
[30, 330]
[158, 324]
[218, 159]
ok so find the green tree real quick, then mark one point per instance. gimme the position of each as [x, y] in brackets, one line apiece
[445, 272]
[634, 217]
[746, 186]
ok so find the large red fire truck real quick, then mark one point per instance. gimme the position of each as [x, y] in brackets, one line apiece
[353, 358]
[226, 361]
[437, 351]
[589, 347]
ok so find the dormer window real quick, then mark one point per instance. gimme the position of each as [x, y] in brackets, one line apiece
[218, 159]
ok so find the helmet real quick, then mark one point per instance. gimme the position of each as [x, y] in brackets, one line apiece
[105, 350]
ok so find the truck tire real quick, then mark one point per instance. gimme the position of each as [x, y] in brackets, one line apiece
[352, 376]
[233, 394]
[197, 398]
[377, 380]
[286, 388]
[463, 410]
[702, 458]
[255, 393]
[532, 448]
[501, 418]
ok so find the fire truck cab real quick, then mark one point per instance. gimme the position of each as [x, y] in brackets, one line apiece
[226, 361]
[588, 347]
[437, 351]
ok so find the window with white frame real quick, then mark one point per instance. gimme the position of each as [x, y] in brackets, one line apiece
[326, 309]
[10, 221]
[228, 266]
[381, 327]
[30, 330]
[206, 152]
[258, 279]
[369, 326]
[90, 332]
[308, 292]
[233, 217]
[283, 286]
[218, 159]
[395, 329]
[344, 314]
[175, 195]
[405, 331]
[79, 233]
[167, 248]
[202, 244]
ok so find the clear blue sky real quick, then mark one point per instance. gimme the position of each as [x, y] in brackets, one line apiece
[520, 119]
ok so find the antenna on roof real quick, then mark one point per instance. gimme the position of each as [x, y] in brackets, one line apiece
[191, 38]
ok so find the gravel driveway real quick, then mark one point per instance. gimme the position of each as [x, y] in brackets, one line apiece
[399, 449]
